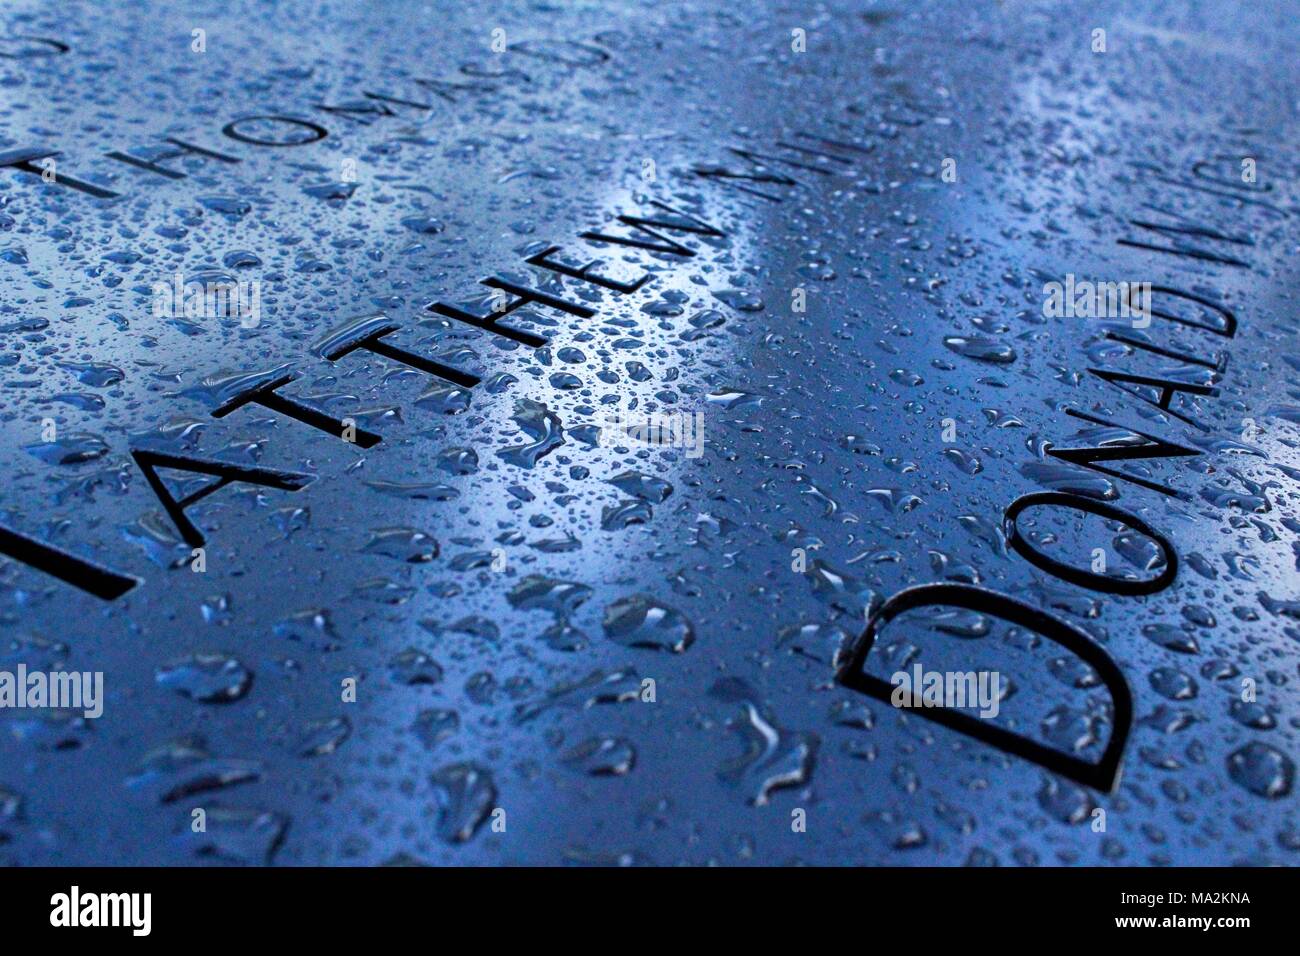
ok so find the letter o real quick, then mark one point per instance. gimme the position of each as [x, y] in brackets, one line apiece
[1198, 170]
[1068, 572]
[231, 129]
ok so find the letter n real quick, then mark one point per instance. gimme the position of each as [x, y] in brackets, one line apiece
[1153, 447]
[1186, 227]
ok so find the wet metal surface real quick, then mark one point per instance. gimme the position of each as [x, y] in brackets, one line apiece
[399, 531]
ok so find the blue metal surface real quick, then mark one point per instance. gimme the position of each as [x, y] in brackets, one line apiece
[479, 628]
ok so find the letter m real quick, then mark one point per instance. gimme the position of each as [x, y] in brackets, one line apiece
[648, 234]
